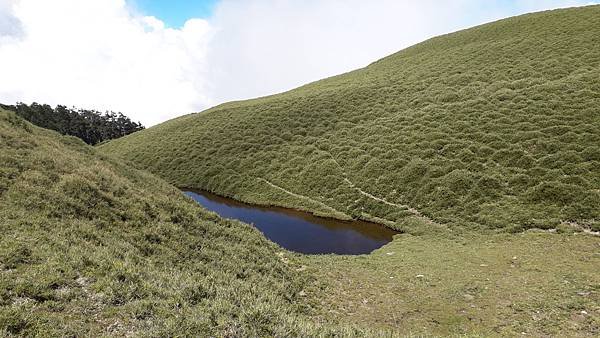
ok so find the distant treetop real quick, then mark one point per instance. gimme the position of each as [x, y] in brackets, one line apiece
[91, 126]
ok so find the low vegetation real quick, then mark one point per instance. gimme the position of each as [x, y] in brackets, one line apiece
[457, 141]
[531, 284]
[494, 127]
[91, 247]
[91, 126]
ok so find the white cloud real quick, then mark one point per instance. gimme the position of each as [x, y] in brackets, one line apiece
[95, 54]
[103, 54]
[262, 47]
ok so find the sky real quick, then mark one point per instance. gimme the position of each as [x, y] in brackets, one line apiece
[174, 13]
[154, 60]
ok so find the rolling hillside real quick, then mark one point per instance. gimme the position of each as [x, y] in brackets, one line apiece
[493, 127]
[91, 247]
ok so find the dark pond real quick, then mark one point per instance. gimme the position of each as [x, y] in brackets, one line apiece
[300, 231]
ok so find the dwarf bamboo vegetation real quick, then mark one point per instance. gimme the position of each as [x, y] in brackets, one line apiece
[493, 127]
[93, 247]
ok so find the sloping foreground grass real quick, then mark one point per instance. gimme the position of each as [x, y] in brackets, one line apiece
[90, 247]
[494, 127]
[532, 284]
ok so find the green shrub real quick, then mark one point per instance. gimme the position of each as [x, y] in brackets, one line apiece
[554, 192]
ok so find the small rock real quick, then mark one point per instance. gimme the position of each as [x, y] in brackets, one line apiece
[62, 291]
[22, 301]
[483, 265]
[583, 312]
[389, 253]
[82, 281]
[468, 296]
[420, 276]
[302, 293]
[514, 257]
[583, 293]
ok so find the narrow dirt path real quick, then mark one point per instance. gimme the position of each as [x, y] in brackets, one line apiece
[299, 196]
[413, 211]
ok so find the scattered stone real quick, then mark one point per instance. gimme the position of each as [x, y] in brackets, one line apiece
[583, 312]
[389, 253]
[420, 276]
[63, 291]
[583, 293]
[20, 301]
[82, 281]
[483, 265]
[302, 293]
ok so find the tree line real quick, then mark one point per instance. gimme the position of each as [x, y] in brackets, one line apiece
[91, 126]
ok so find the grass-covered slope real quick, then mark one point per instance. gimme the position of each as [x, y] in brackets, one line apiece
[497, 126]
[90, 247]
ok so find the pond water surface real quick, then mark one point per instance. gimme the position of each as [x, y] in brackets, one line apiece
[300, 231]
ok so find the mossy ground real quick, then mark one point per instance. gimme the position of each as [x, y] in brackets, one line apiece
[493, 127]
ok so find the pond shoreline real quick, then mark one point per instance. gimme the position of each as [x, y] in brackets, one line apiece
[368, 218]
[298, 230]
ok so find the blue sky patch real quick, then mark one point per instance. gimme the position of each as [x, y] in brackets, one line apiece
[174, 13]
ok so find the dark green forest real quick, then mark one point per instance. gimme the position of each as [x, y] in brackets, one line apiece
[91, 126]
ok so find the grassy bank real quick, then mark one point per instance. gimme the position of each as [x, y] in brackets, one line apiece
[493, 127]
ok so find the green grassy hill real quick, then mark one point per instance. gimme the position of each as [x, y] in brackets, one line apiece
[90, 247]
[493, 127]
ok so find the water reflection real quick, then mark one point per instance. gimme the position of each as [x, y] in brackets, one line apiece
[300, 231]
